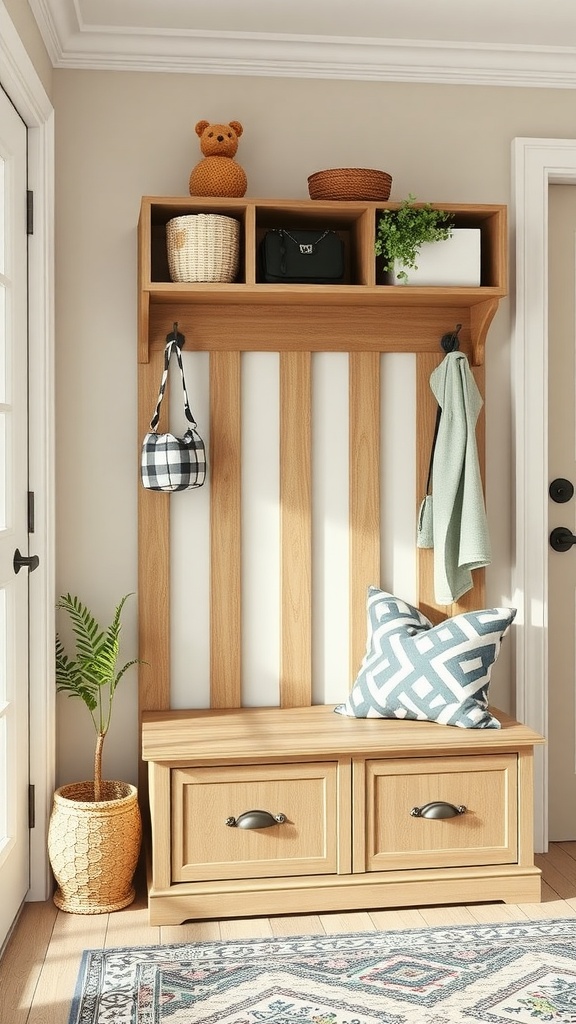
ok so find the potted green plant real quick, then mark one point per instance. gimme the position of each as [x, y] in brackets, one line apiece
[400, 234]
[95, 827]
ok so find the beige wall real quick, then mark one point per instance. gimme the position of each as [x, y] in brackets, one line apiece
[123, 135]
[25, 25]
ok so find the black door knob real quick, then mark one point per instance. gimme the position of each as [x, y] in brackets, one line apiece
[561, 539]
[22, 562]
[561, 490]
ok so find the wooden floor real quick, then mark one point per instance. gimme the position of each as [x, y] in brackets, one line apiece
[40, 964]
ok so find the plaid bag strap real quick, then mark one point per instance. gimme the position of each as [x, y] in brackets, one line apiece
[171, 346]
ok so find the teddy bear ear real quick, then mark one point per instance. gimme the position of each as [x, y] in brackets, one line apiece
[237, 127]
[201, 126]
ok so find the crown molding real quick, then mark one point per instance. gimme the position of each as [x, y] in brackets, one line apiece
[74, 45]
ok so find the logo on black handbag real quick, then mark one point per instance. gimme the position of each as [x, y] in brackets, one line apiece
[306, 250]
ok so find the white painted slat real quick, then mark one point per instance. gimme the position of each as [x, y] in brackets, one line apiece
[260, 529]
[330, 520]
[190, 550]
[398, 500]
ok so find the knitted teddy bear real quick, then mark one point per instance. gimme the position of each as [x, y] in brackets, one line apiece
[218, 174]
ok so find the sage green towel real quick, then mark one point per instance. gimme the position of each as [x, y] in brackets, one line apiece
[459, 524]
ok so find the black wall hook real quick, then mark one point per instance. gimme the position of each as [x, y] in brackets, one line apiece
[450, 341]
[175, 335]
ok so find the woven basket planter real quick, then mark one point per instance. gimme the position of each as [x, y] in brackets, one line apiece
[94, 846]
[203, 247]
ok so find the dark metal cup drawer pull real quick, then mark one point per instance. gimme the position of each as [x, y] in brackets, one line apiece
[438, 809]
[256, 819]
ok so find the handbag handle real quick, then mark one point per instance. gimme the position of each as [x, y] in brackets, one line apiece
[171, 346]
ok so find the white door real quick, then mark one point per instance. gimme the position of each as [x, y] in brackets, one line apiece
[14, 825]
[562, 513]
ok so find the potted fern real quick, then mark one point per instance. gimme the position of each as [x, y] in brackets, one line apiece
[95, 827]
[416, 237]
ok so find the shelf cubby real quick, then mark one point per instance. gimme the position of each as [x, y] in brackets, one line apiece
[391, 317]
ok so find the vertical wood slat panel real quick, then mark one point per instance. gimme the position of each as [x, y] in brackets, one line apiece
[364, 486]
[295, 530]
[153, 564]
[224, 469]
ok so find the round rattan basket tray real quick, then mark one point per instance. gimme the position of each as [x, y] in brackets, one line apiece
[360, 183]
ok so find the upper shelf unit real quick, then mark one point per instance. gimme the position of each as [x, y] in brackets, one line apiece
[389, 317]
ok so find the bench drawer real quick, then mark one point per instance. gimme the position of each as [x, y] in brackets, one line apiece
[205, 799]
[485, 833]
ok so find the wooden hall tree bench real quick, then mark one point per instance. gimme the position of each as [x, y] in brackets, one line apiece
[263, 810]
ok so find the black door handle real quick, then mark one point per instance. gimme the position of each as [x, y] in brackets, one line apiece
[561, 490]
[561, 539]
[22, 562]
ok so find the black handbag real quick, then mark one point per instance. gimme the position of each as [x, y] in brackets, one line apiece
[302, 257]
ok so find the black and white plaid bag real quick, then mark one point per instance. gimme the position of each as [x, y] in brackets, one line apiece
[171, 463]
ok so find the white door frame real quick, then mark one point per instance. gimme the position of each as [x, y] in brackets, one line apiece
[537, 163]
[19, 79]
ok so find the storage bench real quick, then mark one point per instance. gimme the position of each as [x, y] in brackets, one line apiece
[353, 798]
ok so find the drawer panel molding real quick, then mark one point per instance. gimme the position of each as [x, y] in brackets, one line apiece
[291, 812]
[441, 812]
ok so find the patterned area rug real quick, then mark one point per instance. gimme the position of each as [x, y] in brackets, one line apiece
[500, 973]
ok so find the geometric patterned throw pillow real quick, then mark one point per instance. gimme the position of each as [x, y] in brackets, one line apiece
[415, 670]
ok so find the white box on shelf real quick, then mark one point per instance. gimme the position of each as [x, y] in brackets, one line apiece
[454, 262]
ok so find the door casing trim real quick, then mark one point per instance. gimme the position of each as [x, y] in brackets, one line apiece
[536, 164]
[19, 79]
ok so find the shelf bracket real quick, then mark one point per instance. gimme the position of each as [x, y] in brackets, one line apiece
[481, 316]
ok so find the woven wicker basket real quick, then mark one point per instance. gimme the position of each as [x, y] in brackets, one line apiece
[203, 247]
[94, 846]
[355, 183]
